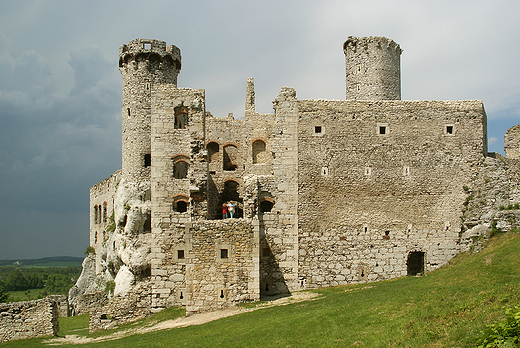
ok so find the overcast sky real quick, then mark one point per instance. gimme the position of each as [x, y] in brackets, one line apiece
[60, 87]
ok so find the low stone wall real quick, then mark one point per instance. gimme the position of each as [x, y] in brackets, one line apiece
[28, 319]
[62, 303]
[107, 313]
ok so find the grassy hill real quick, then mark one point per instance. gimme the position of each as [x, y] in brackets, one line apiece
[449, 307]
[57, 261]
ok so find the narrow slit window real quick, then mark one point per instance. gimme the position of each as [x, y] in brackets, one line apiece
[147, 160]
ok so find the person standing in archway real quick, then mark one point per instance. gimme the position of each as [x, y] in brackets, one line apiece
[224, 211]
[231, 209]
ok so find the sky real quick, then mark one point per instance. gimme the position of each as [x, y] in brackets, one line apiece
[60, 87]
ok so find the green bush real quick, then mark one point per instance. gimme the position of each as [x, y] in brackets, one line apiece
[505, 333]
[110, 286]
[90, 250]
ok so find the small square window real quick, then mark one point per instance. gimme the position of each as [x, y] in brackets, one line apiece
[147, 46]
[180, 254]
[223, 253]
[449, 130]
[317, 129]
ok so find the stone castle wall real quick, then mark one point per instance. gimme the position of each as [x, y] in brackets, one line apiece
[28, 319]
[326, 192]
[512, 142]
[190, 267]
[379, 180]
[101, 210]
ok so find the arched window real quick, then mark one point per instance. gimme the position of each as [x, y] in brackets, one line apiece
[180, 166]
[213, 151]
[230, 157]
[180, 169]
[96, 213]
[266, 206]
[230, 194]
[180, 204]
[105, 212]
[181, 117]
[259, 154]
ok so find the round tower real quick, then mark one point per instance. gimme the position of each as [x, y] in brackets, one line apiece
[373, 68]
[144, 64]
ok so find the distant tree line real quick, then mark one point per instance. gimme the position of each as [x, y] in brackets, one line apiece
[53, 280]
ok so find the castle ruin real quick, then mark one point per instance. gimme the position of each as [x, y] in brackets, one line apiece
[327, 192]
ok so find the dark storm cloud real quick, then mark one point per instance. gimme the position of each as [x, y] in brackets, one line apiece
[60, 88]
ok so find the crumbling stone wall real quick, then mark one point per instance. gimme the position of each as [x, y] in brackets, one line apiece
[101, 215]
[379, 180]
[107, 311]
[28, 319]
[512, 142]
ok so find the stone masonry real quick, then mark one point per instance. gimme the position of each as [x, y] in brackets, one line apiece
[29, 319]
[327, 192]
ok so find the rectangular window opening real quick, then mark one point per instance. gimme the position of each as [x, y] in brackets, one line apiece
[449, 129]
[223, 253]
[147, 46]
[180, 254]
[147, 160]
[317, 129]
[382, 130]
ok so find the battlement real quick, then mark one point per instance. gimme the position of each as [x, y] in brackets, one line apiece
[364, 42]
[148, 48]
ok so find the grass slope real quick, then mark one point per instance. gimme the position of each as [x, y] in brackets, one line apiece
[446, 308]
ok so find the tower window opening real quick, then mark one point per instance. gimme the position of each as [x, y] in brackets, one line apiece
[148, 223]
[105, 212]
[128, 110]
[229, 157]
[180, 254]
[213, 151]
[147, 46]
[221, 294]
[259, 152]
[449, 130]
[181, 117]
[147, 160]
[382, 130]
[266, 206]
[180, 169]
[180, 206]
[223, 253]
[317, 129]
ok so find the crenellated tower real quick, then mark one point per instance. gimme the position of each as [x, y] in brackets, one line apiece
[372, 68]
[144, 65]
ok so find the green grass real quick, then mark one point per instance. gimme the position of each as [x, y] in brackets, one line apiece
[27, 295]
[449, 307]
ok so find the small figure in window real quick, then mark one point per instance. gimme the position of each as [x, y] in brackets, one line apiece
[224, 211]
[231, 209]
